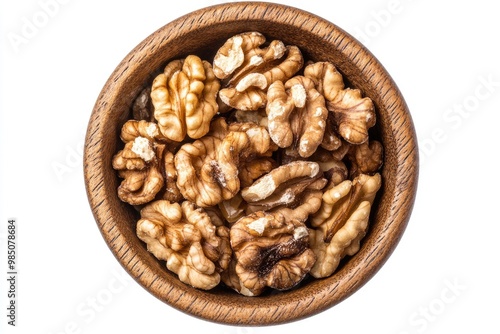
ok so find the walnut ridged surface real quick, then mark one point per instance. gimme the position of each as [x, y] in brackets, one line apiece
[201, 32]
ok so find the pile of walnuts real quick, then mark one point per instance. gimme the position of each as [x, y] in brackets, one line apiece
[254, 170]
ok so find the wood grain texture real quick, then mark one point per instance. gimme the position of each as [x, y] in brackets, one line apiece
[201, 33]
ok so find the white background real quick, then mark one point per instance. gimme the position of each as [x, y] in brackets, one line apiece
[442, 278]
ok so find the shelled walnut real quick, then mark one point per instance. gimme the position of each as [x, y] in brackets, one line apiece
[139, 163]
[296, 114]
[353, 115]
[187, 239]
[250, 170]
[341, 222]
[184, 98]
[247, 70]
[207, 169]
[270, 251]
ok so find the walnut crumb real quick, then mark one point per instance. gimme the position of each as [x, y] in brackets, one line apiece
[143, 149]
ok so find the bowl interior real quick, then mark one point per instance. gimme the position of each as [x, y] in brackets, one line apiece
[202, 33]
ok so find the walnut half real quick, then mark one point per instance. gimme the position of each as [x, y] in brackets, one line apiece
[297, 115]
[139, 163]
[184, 98]
[247, 70]
[208, 168]
[270, 251]
[353, 114]
[341, 222]
[186, 238]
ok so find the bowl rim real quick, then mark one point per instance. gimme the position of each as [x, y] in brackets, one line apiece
[314, 297]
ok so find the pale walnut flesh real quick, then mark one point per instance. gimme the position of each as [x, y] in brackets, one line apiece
[133, 129]
[139, 163]
[299, 198]
[233, 209]
[327, 80]
[184, 236]
[340, 201]
[184, 98]
[208, 169]
[340, 223]
[346, 241]
[246, 69]
[250, 170]
[353, 115]
[306, 205]
[270, 251]
[297, 115]
[283, 175]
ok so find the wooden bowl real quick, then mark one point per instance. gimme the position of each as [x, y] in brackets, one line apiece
[201, 33]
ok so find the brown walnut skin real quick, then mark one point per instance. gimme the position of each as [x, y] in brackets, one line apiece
[184, 98]
[230, 171]
[185, 237]
[353, 115]
[247, 70]
[208, 168]
[270, 251]
[296, 114]
[340, 201]
[366, 158]
[281, 187]
[397, 134]
[280, 178]
[139, 163]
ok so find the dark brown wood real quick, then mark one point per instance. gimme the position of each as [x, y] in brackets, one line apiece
[201, 33]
